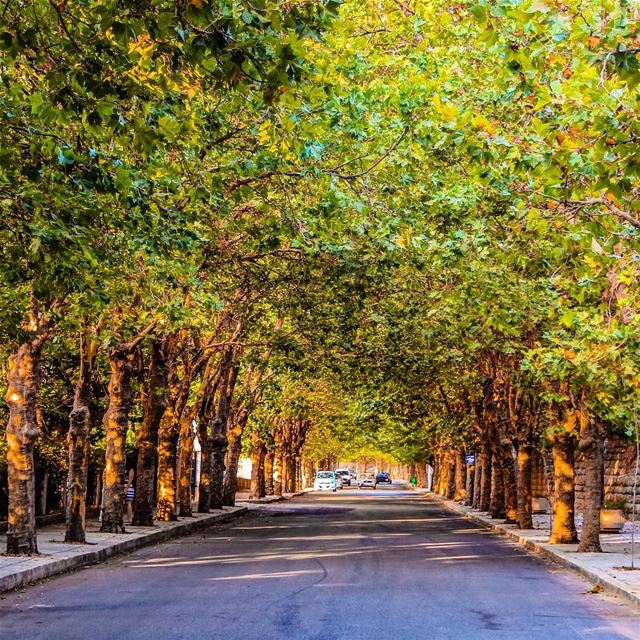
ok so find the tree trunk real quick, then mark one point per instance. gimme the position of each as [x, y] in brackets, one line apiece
[185, 462]
[78, 441]
[470, 484]
[217, 470]
[496, 507]
[525, 519]
[590, 451]
[421, 475]
[460, 471]
[22, 431]
[450, 490]
[206, 471]
[257, 469]
[234, 436]
[147, 437]
[262, 480]
[291, 474]
[167, 456]
[116, 423]
[507, 467]
[477, 481]
[277, 473]
[563, 529]
[269, 460]
[485, 482]
[307, 473]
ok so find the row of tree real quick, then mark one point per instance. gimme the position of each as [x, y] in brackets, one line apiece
[408, 228]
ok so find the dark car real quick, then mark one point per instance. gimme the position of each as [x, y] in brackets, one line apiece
[383, 477]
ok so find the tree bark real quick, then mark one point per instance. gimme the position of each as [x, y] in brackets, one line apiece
[78, 442]
[525, 519]
[485, 483]
[590, 451]
[496, 507]
[234, 448]
[167, 456]
[460, 471]
[450, 490]
[22, 431]
[185, 460]
[563, 529]
[257, 467]
[421, 474]
[507, 467]
[206, 471]
[269, 460]
[155, 405]
[470, 481]
[219, 444]
[477, 481]
[262, 480]
[277, 472]
[116, 423]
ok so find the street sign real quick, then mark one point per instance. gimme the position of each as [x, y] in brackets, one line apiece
[470, 458]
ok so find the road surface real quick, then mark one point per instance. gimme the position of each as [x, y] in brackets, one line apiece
[356, 565]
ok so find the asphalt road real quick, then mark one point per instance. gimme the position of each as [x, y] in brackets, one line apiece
[356, 565]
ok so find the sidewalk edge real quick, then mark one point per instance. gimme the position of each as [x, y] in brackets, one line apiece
[602, 580]
[63, 565]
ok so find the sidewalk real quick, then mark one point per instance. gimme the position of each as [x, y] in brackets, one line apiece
[56, 556]
[606, 570]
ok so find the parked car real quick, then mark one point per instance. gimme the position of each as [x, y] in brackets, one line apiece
[345, 474]
[325, 481]
[383, 478]
[367, 480]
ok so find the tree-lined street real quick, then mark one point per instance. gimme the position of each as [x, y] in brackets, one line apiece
[364, 565]
[250, 244]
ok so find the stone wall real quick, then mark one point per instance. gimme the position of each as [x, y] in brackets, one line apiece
[619, 470]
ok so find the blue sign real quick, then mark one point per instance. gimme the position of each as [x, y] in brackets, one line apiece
[470, 458]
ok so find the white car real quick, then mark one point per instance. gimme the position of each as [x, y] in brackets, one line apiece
[325, 481]
[367, 480]
[345, 475]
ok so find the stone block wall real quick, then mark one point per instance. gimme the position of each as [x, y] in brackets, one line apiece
[619, 471]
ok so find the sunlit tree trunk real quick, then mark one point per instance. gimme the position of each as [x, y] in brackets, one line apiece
[563, 528]
[234, 436]
[167, 455]
[22, 431]
[590, 451]
[450, 490]
[78, 442]
[155, 404]
[460, 471]
[116, 423]
[185, 460]
[277, 473]
[307, 472]
[525, 520]
[257, 468]
[421, 474]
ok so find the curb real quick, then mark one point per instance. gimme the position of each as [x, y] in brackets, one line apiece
[94, 556]
[596, 577]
